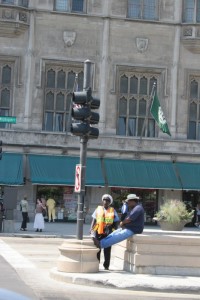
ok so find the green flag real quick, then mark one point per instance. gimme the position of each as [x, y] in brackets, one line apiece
[158, 115]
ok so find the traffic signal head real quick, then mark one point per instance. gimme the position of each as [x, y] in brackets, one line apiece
[83, 103]
[1, 149]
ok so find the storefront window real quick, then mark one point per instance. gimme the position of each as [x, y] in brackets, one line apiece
[191, 198]
[66, 201]
[148, 200]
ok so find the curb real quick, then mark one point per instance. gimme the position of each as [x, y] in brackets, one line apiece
[125, 280]
[40, 235]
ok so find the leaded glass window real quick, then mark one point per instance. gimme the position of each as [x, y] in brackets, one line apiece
[191, 11]
[194, 109]
[59, 84]
[5, 91]
[23, 3]
[133, 105]
[143, 9]
[70, 5]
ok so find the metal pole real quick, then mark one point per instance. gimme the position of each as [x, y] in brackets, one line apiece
[83, 157]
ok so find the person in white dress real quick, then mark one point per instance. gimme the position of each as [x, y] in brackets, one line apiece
[39, 219]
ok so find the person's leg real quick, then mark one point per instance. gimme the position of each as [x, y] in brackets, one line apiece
[23, 221]
[99, 255]
[116, 237]
[107, 254]
[53, 214]
[49, 214]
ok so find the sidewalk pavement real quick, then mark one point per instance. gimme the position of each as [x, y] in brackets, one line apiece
[115, 277]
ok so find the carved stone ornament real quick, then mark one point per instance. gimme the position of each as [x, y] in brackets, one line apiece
[142, 44]
[69, 38]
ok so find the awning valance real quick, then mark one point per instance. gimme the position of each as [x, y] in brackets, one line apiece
[60, 170]
[141, 174]
[11, 169]
[189, 175]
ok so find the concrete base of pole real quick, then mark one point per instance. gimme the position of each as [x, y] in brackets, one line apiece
[78, 256]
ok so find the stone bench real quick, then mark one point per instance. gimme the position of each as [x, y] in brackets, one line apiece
[163, 253]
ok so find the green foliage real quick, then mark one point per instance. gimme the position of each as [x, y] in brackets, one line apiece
[174, 211]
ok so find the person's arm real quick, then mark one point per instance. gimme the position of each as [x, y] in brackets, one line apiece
[92, 224]
[126, 221]
[132, 217]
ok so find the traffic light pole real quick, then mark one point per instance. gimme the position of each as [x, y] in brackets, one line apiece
[83, 157]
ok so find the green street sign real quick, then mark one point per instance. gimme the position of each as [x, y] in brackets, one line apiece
[4, 119]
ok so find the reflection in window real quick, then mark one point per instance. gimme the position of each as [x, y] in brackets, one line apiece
[5, 98]
[69, 5]
[143, 9]
[23, 3]
[59, 122]
[194, 89]
[77, 5]
[6, 75]
[48, 121]
[7, 1]
[60, 84]
[51, 78]
[133, 105]
[62, 5]
[191, 11]
[194, 110]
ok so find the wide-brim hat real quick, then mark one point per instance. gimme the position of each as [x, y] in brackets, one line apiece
[132, 197]
[107, 197]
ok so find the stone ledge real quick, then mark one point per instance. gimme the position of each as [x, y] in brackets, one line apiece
[163, 254]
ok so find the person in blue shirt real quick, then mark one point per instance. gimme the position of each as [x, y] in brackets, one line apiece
[132, 224]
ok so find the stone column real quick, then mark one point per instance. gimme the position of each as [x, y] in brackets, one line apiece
[29, 65]
[174, 69]
[104, 68]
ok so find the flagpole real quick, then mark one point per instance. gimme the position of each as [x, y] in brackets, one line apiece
[148, 110]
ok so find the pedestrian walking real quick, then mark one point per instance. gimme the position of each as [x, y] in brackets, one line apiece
[104, 221]
[132, 224]
[39, 219]
[24, 210]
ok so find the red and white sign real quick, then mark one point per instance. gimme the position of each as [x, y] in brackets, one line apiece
[77, 186]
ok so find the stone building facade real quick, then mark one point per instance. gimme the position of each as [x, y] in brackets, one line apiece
[131, 45]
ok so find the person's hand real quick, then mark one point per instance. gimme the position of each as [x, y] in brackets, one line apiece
[121, 224]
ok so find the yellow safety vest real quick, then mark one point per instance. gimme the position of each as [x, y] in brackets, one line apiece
[103, 218]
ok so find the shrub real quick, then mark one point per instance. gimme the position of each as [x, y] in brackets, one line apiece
[174, 211]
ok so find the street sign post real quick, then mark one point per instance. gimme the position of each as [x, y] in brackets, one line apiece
[7, 119]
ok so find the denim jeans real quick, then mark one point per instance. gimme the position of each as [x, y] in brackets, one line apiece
[116, 237]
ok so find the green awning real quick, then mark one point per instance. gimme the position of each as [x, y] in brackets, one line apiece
[189, 175]
[60, 170]
[11, 170]
[141, 174]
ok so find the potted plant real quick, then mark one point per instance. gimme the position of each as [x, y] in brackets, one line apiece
[173, 215]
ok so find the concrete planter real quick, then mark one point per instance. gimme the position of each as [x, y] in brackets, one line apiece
[166, 226]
